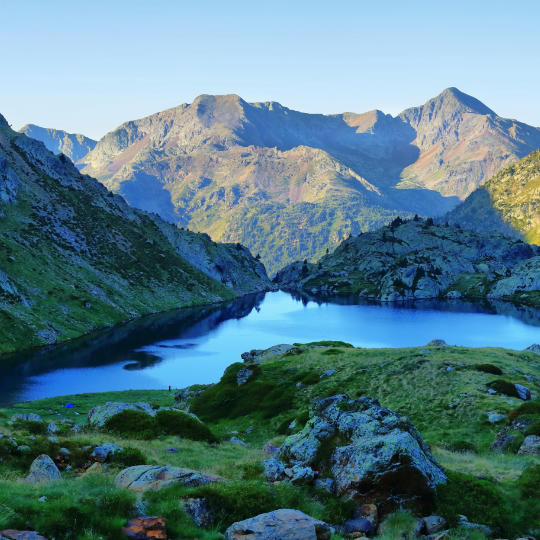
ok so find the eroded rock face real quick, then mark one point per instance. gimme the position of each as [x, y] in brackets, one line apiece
[141, 478]
[283, 524]
[43, 470]
[369, 451]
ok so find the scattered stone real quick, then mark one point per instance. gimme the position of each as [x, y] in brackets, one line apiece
[42, 499]
[328, 373]
[24, 449]
[53, 439]
[142, 528]
[433, 524]
[43, 470]
[437, 343]
[494, 417]
[274, 469]
[77, 428]
[530, 446]
[64, 452]
[52, 428]
[283, 524]
[12, 534]
[236, 440]
[103, 451]
[502, 440]
[491, 391]
[31, 417]
[141, 478]
[199, 510]
[249, 430]
[243, 375]
[324, 483]
[523, 392]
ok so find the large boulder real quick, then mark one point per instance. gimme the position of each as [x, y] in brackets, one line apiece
[530, 446]
[141, 478]
[283, 524]
[100, 414]
[103, 451]
[43, 470]
[371, 452]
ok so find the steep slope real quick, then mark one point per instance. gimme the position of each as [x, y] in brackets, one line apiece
[291, 185]
[73, 145]
[462, 143]
[418, 260]
[508, 202]
[75, 257]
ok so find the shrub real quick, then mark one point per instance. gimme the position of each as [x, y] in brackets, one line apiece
[489, 368]
[184, 425]
[530, 407]
[332, 352]
[128, 457]
[462, 446]
[480, 500]
[134, 424]
[31, 426]
[533, 429]
[504, 387]
[398, 525]
[311, 378]
[529, 481]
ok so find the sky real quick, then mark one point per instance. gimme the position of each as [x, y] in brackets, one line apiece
[87, 66]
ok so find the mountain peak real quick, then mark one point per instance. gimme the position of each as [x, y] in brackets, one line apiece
[3, 122]
[456, 97]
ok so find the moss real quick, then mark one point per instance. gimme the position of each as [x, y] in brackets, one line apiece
[184, 425]
[134, 424]
[504, 387]
[533, 429]
[530, 407]
[128, 457]
[488, 368]
[311, 378]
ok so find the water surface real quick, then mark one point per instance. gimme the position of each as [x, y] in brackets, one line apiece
[195, 345]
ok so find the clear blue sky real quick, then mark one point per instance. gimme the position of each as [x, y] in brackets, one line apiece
[87, 66]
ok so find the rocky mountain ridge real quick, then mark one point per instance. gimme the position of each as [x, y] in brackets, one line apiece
[75, 257]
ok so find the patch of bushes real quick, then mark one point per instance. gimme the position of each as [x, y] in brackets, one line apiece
[529, 407]
[480, 500]
[133, 424]
[128, 457]
[533, 429]
[184, 425]
[529, 481]
[489, 368]
[311, 378]
[34, 427]
[504, 387]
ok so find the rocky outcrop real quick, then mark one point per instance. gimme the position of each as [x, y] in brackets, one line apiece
[256, 356]
[43, 470]
[283, 524]
[141, 478]
[418, 259]
[368, 451]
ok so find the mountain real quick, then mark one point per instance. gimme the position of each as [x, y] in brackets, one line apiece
[291, 185]
[74, 145]
[508, 202]
[75, 257]
[419, 259]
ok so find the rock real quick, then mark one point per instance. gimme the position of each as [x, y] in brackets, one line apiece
[380, 454]
[243, 376]
[466, 524]
[530, 446]
[94, 468]
[360, 525]
[274, 469]
[103, 451]
[31, 417]
[24, 449]
[270, 449]
[535, 348]
[52, 428]
[491, 391]
[12, 534]
[437, 343]
[494, 417]
[172, 450]
[256, 356]
[100, 414]
[144, 477]
[283, 524]
[502, 440]
[142, 528]
[433, 524]
[43, 470]
[300, 476]
[328, 373]
[324, 483]
[64, 452]
[185, 395]
[199, 511]
[77, 428]
[236, 440]
[523, 392]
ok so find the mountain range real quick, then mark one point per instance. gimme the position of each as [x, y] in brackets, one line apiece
[290, 185]
[75, 257]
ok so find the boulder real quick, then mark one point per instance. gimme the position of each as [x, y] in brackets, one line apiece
[283, 524]
[43, 470]
[141, 478]
[494, 418]
[12, 534]
[52, 428]
[236, 440]
[100, 414]
[243, 375]
[199, 510]
[256, 356]
[530, 446]
[523, 392]
[103, 451]
[480, 527]
[142, 528]
[433, 524]
[371, 452]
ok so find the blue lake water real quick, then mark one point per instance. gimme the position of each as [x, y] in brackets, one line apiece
[195, 345]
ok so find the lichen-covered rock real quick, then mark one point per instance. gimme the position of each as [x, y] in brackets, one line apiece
[368, 450]
[43, 470]
[283, 524]
[103, 451]
[97, 416]
[256, 356]
[523, 392]
[144, 477]
[199, 510]
[530, 446]
[12, 534]
[31, 417]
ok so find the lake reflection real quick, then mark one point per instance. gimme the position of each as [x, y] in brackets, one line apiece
[195, 345]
